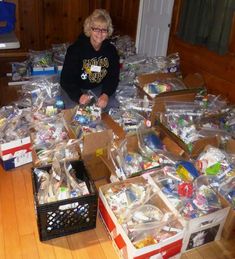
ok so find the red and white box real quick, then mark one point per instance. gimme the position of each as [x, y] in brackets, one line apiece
[16, 153]
[202, 230]
[168, 248]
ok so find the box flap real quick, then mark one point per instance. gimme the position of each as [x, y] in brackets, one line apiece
[195, 80]
[151, 77]
[94, 141]
[161, 99]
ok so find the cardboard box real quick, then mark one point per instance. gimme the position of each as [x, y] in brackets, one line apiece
[230, 146]
[16, 153]
[205, 229]
[229, 226]
[201, 230]
[94, 146]
[159, 107]
[197, 146]
[109, 158]
[193, 82]
[124, 247]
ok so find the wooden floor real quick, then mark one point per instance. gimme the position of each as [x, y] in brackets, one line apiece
[19, 236]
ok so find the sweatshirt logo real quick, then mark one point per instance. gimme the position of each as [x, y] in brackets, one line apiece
[95, 75]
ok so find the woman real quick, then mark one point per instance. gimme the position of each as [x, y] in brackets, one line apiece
[92, 63]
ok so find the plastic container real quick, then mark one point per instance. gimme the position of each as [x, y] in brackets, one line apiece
[64, 217]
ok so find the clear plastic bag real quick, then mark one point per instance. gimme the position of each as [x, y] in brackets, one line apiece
[14, 123]
[126, 196]
[41, 58]
[41, 92]
[164, 85]
[214, 161]
[48, 132]
[20, 70]
[68, 151]
[227, 189]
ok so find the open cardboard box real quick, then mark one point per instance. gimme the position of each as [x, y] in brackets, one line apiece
[193, 82]
[159, 107]
[229, 226]
[94, 146]
[165, 249]
[132, 146]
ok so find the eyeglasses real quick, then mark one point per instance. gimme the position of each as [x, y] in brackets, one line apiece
[99, 30]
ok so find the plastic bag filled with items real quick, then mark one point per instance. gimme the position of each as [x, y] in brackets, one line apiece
[59, 52]
[58, 55]
[134, 156]
[129, 120]
[165, 85]
[218, 167]
[15, 123]
[214, 162]
[68, 150]
[125, 196]
[20, 71]
[42, 94]
[87, 118]
[125, 45]
[188, 191]
[48, 132]
[151, 224]
[143, 216]
[211, 104]
[41, 62]
[227, 189]
[59, 183]
[180, 118]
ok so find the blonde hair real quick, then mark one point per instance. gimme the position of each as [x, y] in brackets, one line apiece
[98, 15]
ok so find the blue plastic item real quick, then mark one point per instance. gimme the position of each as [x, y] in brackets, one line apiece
[7, 17]
[189, 167]
[153, 141]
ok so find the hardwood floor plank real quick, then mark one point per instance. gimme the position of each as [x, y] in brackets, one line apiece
[29, 247]
[192, 254]
[104, 239]
[86, 245]
[219, 251]
[206, 251]
[2, 250]
[183, 256]
[61, 248]
[30, 197]
[75, 246]
[9, 221]
[228, 247]
[22, 205]
[45, 249]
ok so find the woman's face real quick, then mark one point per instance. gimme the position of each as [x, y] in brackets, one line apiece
[99, 32]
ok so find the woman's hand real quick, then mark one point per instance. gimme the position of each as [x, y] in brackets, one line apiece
[84, 99]
[103, 101]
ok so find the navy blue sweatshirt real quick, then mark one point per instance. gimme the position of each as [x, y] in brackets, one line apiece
[85, 68]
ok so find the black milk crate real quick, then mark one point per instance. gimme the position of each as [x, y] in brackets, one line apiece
[64, 217]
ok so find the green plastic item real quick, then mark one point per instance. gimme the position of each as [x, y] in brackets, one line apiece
[214, 169]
